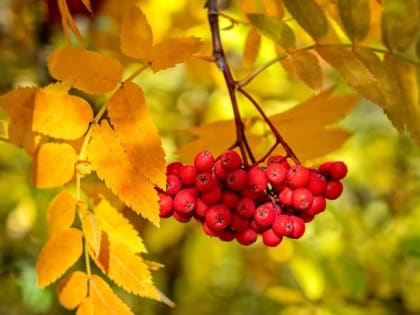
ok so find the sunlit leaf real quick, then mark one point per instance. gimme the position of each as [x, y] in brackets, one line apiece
[61, 212]
[309, 15]
[247, 6]
[136, 35]
[355, 16]
[285, 295]
[274, 8]
[274, 28]
[306, 66]
[139, 136]
[118, 228]
[59, 253]
[400, 23]
[113, 166]
[91, 231]
[73, 289]
[251, 49]
[60, 115]
[53, 165]
[85, 70]
[173, 51]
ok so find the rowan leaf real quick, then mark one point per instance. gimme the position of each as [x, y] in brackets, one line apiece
[113, 166]
[60, 115]
[53, 165]
[274, 28]
[59, 253]
[73, 289]
[355, 16]
[85, 70]
[306, 66]
[309, 16]
[251, 49]
[118, 228]
[400, 23]
[173, 51]
[136, 35]
[91, 231]
[125, 268]
[61, 212]
[139, 136]
[274, 8]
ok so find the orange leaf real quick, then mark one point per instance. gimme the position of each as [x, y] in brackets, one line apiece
[274, 8]
[61, 212]
[67, 20]
[59, 253]
[306, 66]
[113, 166]
[73, 289]
[173, 51]
[85, 70]
[91, 230]
[139, 136]
[136, 35]
[87, 5]
[252, 47]
[60, 115]
[53, 165]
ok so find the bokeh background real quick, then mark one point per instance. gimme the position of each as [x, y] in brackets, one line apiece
[361, 256]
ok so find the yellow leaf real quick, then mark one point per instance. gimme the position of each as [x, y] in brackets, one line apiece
[61, 212]
[73, 289]
[91, 230]
[285, 295]
[53, 165]
[59, 253]
[139, 136]
[118, 228]
[85, 70]
[19, 106]
[60, 115]
[125, 268]
[136, 35]
[173, 51]
[306, 66]
[355, 16]
[113, 166]
[251, 49]
[274, 8]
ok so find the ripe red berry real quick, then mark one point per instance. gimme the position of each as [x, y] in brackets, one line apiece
[298, 176]
[270, 238]
[182, 217]
[219, 171]
[239, 223]
[218, 217]
[230, 198]
[184, 201]
[302, 198]
[188, 173]
[226, 235]
[208, 230]
[245, 207]
[317, 183]
[278, 159]
[174, 168]
[251, 194]
[318, 205]
[203, 161]
[257, 180]
[264, 215]
[200, 207]
[325, 167]
[246, 237]
[289, 225]
[333, 190]
[236, 179]
[205, 181]
[212, 196]
[276, 174]
[257, 228]
[338, 170]
[166, 205]
[306, 217]
[285, 196]
[173, 184]
[230, 160]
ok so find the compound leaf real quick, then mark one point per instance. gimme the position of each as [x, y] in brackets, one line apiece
[355, 16]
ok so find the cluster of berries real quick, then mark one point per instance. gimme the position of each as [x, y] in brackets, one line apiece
[235, 202]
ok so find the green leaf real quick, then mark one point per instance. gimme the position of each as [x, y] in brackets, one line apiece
[273, 28]
[355, 16]
[309, 15]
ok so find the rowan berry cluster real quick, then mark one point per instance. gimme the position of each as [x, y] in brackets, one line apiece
[235, 202]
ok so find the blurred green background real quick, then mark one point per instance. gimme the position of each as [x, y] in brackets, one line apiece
[361, 256]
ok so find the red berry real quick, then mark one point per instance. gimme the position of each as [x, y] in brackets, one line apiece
[285, 196]
[239, 223]
[333, 190]
[200, 207]
[317, 183]
[230, 160]
[251, 194]
[270, 238]
[218, 217]
[318, 205]
[276, 174]
[182, 217]
[219, 171]
[230, 198]
[209, 231]
[245, 207]
[173, 168]
[302, 198]
[246, 237]
[173, 184]
[325, 167]
[236, 179]
[306, 217]
[257, 228]
[289, 225]
[278, 159]
[264, 215]
[212, 196]
[166, 205]
[205, 181]
[338, 170]
[298, 176]
[203, 161]
[184, 201]
[257, 180]
[226, 235]
[188, 173]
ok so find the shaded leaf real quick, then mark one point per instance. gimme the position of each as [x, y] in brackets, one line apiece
[285, 295]
[113, 166]
[136, 35]
[73, 289]
[85, 70]
[173, 51]
[251, 49]
[139, 136]
[306, 66]
[59, 253]
[309, 15]
[355, 16]
[53, 165]
[274, 28]
[60, 115]
[61, 212]
[118, 228]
